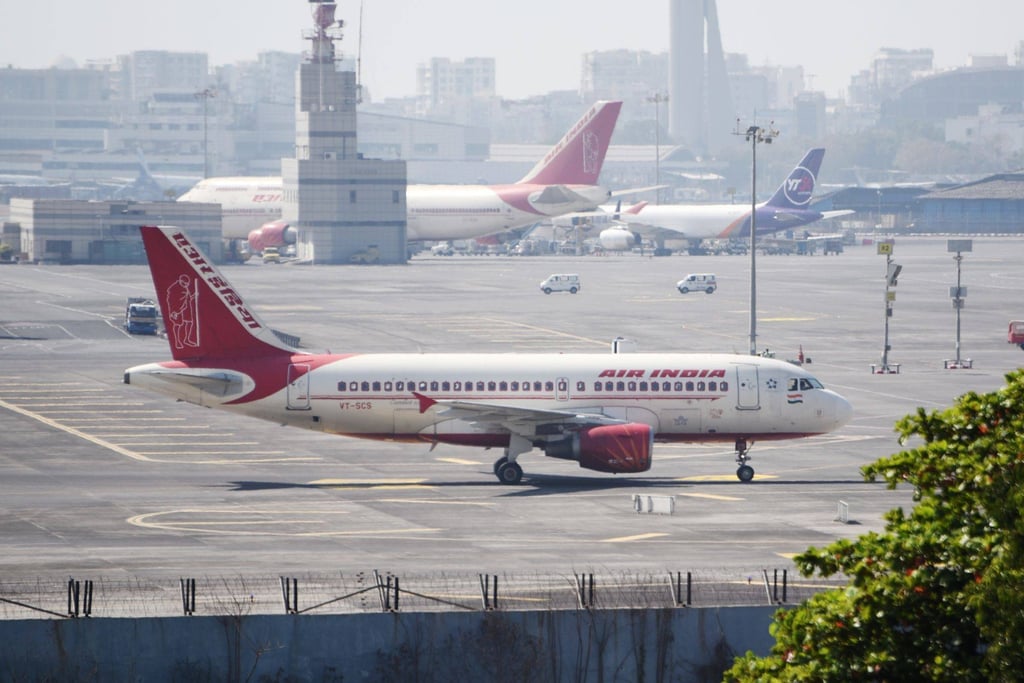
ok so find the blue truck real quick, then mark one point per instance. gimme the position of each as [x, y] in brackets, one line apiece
[141, 316]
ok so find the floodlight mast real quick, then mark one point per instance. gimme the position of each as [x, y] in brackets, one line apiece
[754, 134]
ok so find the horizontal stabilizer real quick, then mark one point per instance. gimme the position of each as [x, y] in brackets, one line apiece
[220, 383]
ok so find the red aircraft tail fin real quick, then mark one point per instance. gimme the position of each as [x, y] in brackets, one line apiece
[204, 315]
[579, 155]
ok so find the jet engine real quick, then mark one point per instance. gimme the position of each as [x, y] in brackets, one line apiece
[619, 239]
[272, 234]
[611, 448]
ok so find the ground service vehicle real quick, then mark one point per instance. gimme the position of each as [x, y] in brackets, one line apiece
[697, 282]
[140, 316]
[1015, 335]
[271, 255]
[566, 282]
[369, 255]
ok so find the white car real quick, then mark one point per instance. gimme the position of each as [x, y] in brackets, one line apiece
[569, 282]
[698, 282]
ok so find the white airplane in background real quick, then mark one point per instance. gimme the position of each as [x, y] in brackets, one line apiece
[787, 209]
[565, 180]
[604, 411]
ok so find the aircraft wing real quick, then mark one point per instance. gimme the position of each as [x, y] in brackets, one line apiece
[514, 418]
[837, 213]
[638, 190]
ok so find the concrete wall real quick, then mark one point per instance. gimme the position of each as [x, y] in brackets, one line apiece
[610, 645]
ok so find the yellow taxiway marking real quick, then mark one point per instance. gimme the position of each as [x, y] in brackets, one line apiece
[147, 419]
[424, 501]
[178, 444]
[459, 461]
[709, 495]
[65, 404]
[289, 307]
[788, 556]
[74, 432]
[549, 331]
[722, 477]
[372, 483]
[638, 537]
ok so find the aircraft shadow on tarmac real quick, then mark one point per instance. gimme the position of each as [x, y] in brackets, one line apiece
[547, 484]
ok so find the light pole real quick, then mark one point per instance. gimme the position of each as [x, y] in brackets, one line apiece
[657, 99]
[205, 95]
[958, 294]
[754, 134]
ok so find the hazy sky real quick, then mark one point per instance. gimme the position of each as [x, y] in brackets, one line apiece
[538, 44]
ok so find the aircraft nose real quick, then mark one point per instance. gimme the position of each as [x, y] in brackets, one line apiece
[844, 411]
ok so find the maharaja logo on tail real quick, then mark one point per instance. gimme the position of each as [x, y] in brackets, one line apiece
[218, 284]
[181, 301]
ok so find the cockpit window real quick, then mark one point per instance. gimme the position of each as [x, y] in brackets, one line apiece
[803, 384]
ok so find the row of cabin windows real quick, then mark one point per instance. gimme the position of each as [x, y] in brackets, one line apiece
[435, 385]
[549, 386]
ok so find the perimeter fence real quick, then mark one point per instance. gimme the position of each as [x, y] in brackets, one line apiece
[42, 597]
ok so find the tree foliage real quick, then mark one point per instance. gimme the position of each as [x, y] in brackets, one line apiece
[939, 595]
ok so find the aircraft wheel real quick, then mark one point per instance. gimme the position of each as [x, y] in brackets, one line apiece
[745, 473]
[499, 462]
[510, 473]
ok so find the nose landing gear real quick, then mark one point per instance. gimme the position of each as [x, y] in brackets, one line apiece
[744, 472]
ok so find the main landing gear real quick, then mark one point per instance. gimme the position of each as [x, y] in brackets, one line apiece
[506, 468]
[508, 472]
[745, 472]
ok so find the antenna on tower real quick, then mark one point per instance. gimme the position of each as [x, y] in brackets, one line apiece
[359, 58]
[326, 31]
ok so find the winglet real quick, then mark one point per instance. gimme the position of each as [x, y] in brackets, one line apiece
[426, 403]
[579, 155]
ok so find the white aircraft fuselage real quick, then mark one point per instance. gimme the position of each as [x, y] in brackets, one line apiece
[563, 181]
[433, 212]
[604, 411]
[682, 397]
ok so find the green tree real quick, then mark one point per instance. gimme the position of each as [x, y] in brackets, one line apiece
[939, 595]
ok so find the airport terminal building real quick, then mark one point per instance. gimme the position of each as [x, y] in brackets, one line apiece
[71, 231]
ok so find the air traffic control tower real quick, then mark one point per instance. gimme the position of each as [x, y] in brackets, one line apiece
[343, 206]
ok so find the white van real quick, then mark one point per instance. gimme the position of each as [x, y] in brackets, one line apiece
[697, 282]
[566, 282]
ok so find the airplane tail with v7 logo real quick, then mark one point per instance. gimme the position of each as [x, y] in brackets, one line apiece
[205, 317]
[796, 190]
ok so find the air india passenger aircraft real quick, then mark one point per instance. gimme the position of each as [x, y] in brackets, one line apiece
[604, 411]
[564, 181]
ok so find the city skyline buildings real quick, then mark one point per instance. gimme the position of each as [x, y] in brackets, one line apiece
[397, 37]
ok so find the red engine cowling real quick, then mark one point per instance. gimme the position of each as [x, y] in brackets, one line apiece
[612, 448]
[272, 234]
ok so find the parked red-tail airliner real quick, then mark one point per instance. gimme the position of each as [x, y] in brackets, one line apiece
[564, 181]
[605, 411]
